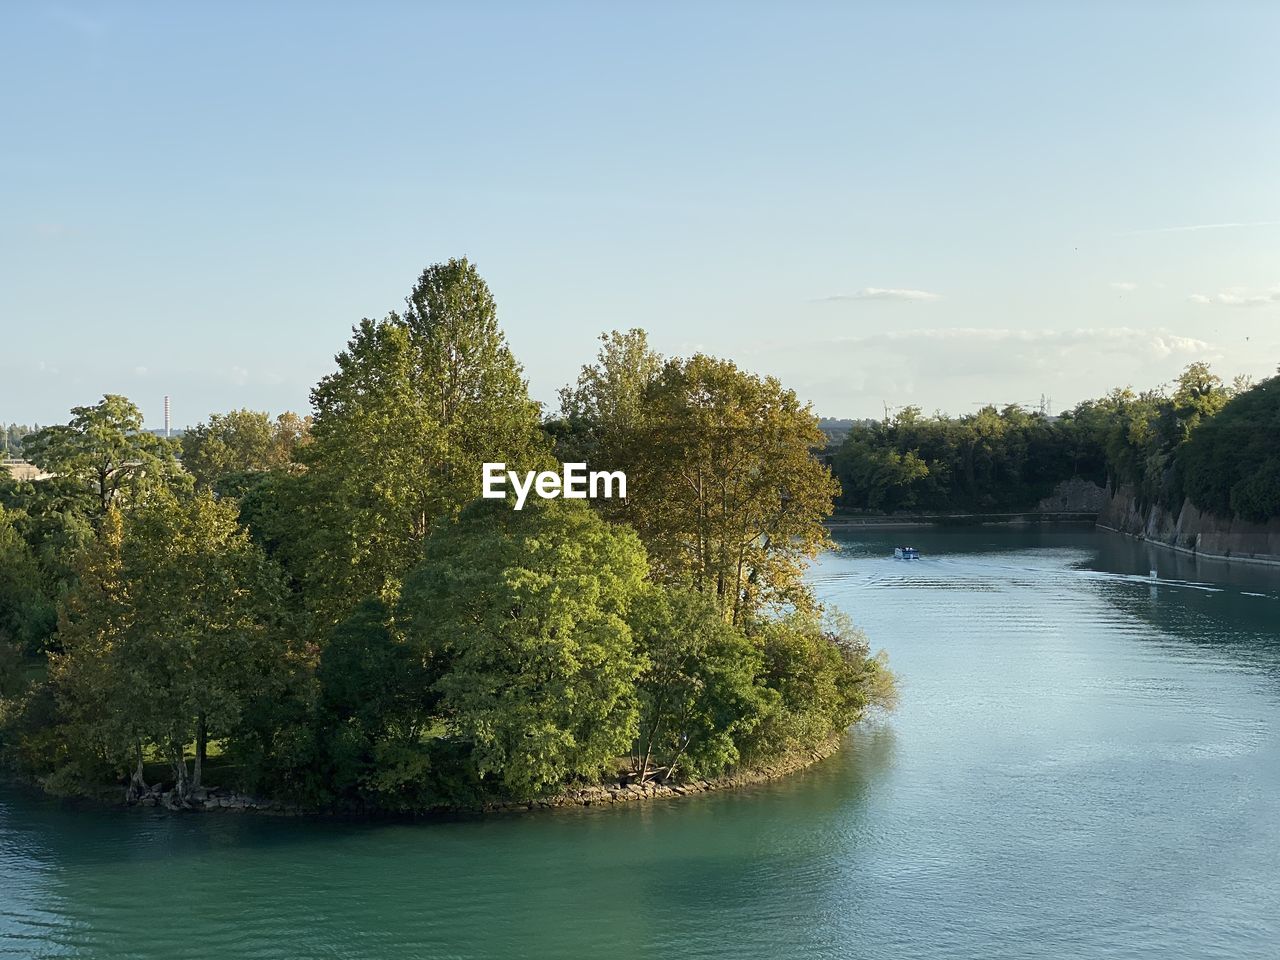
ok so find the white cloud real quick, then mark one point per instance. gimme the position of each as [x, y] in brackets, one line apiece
[1193, 227]
[239, 376]
[1127, 286]
[883, 293]
[953, 367]
[1237, 297]
[140, 371]
[1157, 342]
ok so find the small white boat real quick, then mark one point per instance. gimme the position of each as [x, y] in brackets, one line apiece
[906, 553]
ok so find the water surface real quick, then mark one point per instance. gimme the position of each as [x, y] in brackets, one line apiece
[1086, 763]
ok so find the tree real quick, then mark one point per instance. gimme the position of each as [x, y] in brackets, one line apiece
[1231, 462]
[523, 618]
[698, 691]
[417, 403]
[242, 441]
[824, 678]
[173, 629]
[26, 610]
[102, 696]
[724, 488]
[375, 707]
[106, 449]
[875, 478]
[606, 405]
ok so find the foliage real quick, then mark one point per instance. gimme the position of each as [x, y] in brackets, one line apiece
[523, 618]
[1010, 459]
[824, 677]
[239, 442]
[106, 449]
[606, 406]
[698, 692]
[723, 486]
[375, 710]
[171, 631]
[417, 403]
[12, 437]
[27, 613]
[1231, 463]
[338, 615]
[988, 460]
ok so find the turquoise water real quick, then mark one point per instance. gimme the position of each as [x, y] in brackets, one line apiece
[1085, 764]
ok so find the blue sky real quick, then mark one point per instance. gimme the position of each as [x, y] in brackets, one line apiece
[940, 204]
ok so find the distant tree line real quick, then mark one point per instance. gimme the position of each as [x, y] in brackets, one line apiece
[1215, 443]
[11, 438]
[320, 609]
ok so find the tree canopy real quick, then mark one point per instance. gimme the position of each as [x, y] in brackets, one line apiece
[418, 401]
[524, 616]
[326, 611]
[241, 442]
[106, 448]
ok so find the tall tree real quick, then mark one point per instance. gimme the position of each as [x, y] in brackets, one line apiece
[106, 448]
[174, 628]
[606, 405]
[26, 609]
[523, 616]
[723, 485]
[419, 401]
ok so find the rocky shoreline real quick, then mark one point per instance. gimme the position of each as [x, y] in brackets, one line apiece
[216, 799]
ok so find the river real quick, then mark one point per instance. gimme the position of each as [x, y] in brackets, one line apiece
[1085, 763]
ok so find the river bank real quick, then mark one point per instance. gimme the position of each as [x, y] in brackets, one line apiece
[919, 520]
[217, 799]
[1192, 531]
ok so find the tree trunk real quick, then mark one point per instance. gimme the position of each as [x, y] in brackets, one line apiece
[202, 745]
[648, 750]
[137, 784]
[182, 785]
[675, 761]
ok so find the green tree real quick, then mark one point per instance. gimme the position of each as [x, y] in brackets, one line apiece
[1231, 462]
[723, 485]
[523, 617]
[417, 404]
[239, 442]
[102, 695]
[375, 707]
[873, 477]
[698, 692]
[173, 629]
[606, 406]
[824, 678]
[106, 449]
[27, 612]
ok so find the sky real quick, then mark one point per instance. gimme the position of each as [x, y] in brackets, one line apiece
[882, 204]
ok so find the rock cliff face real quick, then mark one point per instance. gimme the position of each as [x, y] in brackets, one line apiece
[1191, 529]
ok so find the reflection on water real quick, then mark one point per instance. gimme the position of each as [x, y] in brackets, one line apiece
[1085, 764]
